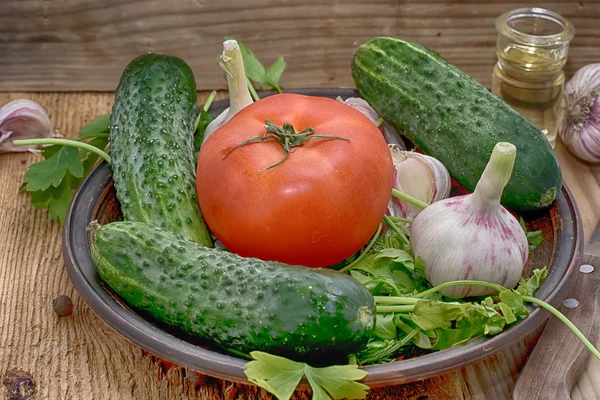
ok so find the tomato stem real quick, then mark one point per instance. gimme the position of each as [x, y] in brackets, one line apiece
[287, 137]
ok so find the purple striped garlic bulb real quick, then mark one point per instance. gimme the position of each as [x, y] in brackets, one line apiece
[579, 122]
[472, 237]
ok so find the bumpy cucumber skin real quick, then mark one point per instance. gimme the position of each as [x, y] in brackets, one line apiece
[455, 119]
[151, 145]
[243, 304]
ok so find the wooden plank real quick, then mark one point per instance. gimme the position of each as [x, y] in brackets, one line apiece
[84, 45]
[559, 358]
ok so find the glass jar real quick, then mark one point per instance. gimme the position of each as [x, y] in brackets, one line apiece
[532, 47]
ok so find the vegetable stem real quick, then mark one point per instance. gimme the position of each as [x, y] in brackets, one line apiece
[400, 219]
[253, 93]
[386, 309]
[395, 228]
[379, 122]
[497, 173]
[395, 300]
[232, 63]
[360, 257]
[409, 199]
[209, 101]
[63, 142]
[437, 288]
[565, 320]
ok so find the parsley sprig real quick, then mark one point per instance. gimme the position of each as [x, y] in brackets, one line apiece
[50, 182]
[281, 376]
[257, 73]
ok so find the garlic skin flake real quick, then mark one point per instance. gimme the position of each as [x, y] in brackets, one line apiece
[472, 237]
[420, 176]
[579, 121]
[22, 119]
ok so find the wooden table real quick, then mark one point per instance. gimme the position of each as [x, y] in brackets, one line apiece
[79, 356]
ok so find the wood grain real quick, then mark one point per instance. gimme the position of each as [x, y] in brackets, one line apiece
[583, 179]
[559, 357]
[85, 44]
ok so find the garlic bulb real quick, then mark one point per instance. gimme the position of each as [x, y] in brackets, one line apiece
[420, 176]
[473, 237]
[579, 122]
[389, 133]
[22, 119]
[232, 63]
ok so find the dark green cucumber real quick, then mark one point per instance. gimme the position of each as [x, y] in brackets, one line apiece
[454, 119]
[242, 304]
[151, 145]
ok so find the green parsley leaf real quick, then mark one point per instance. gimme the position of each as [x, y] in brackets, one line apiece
[336, 382]
[494, 324]
[61, 199]
[97, 126]
[534, 238]
[385, 328]
[435, 314]
[51, 182]
[275, 374]
[49, 151]
[253, 67]
[527, 287]
[51, 172]
[273, 73]
[446, 338]
[56, 200]
[91, 159]
[281, 376]
[420, 266]
[514, 301]
[256, 71]
[396, 255]
[509, 315]
[204, 118]
[379, 351]
[522, 223]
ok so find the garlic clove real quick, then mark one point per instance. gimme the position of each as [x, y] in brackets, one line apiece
[22, 119]
[579, 120]
[389, 133]
[420, 176]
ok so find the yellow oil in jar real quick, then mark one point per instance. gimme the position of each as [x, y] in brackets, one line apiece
[532, 51]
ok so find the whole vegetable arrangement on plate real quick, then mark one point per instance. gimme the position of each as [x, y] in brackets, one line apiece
[299, 232]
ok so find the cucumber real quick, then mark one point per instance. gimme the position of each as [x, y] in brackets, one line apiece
[151, 145]
[454, 119]
[242, 304]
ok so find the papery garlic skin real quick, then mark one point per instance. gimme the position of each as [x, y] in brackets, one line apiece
[579, 121]
[473, 237]
[420, 176]
[22, 119]
[389, 133]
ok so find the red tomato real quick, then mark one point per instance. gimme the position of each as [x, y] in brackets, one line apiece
[318, 207]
